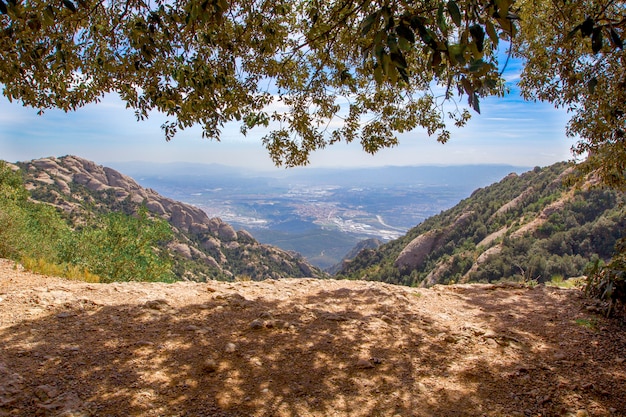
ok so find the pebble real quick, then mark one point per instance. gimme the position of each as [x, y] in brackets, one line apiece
[256, 324]
[156, 304]
[387, 319]
[364, 364]
[45, 392]
[230, 347]
[209, 366]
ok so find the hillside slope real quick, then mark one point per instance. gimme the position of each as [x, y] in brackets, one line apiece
[528, 227]
[303, 347]
[203, 248]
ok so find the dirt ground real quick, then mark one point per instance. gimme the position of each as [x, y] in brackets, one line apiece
[303, 347]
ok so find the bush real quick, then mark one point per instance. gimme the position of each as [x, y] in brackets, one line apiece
[608, 282]
[120, 247]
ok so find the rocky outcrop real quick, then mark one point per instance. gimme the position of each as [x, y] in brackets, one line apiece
[513, 204]
[77, 185]
[415, 253]
[482, 258]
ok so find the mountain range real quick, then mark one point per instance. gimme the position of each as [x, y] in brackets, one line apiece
[535, 226]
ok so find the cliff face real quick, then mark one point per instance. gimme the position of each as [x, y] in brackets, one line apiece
[416, 252]
[81, 188]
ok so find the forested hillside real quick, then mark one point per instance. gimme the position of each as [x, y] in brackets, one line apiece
[530, 227]
[70, 216]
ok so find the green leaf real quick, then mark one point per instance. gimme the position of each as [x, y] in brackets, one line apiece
[616, 39]
[478, 35]
[474, 102]
[441, 19]
[503, 7]
[404, 74]
[455, 52]
[467, 85]
[435, 59]
[405, 32]
[378, 74]
[69, 5]
[48, 16]
[596, 40]
[586, 28]
[366, 25]
[398, 59]
[572, 33]
[455, 13]
[491, 31]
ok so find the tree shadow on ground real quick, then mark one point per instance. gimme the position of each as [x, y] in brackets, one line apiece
[569, 358]
[344, 352]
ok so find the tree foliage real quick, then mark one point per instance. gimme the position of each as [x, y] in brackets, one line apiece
[574, 57]
[320, 72]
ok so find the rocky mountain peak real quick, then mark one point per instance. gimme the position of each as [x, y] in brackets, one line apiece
[76, 185]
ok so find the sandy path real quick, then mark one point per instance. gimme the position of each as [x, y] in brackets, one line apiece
[303, 348]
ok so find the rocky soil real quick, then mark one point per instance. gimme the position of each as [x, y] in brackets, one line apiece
[303, 347]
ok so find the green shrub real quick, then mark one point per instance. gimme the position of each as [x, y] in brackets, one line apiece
[608, 282]
[120, 247]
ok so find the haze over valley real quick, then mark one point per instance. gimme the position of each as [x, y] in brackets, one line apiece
[320, 213]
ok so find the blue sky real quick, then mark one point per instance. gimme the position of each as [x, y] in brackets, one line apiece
[508, 131]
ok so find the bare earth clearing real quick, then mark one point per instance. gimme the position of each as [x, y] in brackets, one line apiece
[303, 348]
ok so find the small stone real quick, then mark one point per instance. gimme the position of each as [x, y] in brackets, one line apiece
[334, 317]
[64, 314]
[387, 319]
[210, 289]
[144, 343]
[582, 413]
[256, 324]
[210, 366]
[156, 304]
[266, 315]
[230, 347]
[364, 364]
[256, 361]
[45, 392]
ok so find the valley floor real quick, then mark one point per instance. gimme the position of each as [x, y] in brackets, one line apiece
[303, 347]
